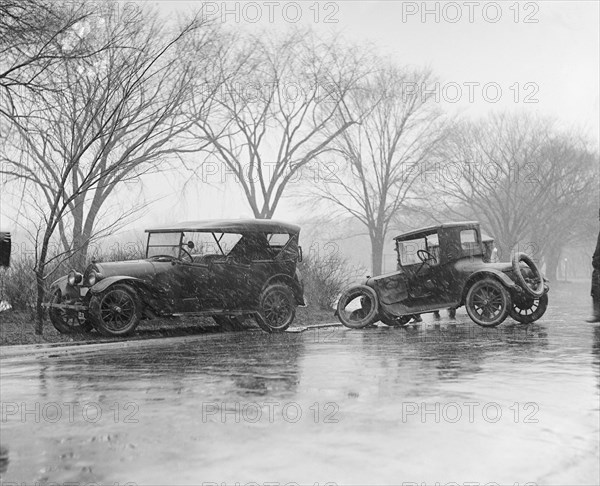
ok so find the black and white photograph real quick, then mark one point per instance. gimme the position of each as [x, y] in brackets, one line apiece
[299, 243]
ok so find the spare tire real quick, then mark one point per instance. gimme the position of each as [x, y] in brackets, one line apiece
[534, 286]
[362, 316]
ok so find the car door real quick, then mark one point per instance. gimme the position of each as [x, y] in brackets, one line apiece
[195, 286]
[425, 281]
[229, 282]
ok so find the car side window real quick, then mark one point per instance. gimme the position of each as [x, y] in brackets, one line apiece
[279, 241]
[468, 240]
[252, 246]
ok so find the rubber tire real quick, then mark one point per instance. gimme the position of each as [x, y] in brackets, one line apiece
[503, 292]
[350, 294]
[58, 322]
[528, 319]
[401, 321]
[230, 324]
[517, 258]
[97, 320]
[287, 293]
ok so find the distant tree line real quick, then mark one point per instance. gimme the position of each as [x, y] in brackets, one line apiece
[90, 100]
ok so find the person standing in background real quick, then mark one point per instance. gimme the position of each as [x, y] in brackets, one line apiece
[596, 282]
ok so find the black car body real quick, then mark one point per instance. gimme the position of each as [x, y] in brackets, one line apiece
[225, 269]
[444, 267]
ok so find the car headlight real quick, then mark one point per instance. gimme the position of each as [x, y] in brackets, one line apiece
[74, 278]
[93, 277]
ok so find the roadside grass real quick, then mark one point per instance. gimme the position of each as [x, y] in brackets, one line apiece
[17, 327]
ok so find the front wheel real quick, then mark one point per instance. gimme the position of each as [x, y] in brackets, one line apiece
[358, 307]
[67, 321]
[116, 311]
[277, 308]
[395, 321]
[488, 302]
[530, 310]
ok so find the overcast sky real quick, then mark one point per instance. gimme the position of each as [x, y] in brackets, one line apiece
[553, 45]
[540, 57]
[543, 57]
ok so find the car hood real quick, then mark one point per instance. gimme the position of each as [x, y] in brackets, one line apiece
[470, 265]
[131, 268]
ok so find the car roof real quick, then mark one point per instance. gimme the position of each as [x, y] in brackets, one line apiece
[432, 229]
[230, 226]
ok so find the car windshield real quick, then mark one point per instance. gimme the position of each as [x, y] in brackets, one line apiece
[407, 250]
[163, 244]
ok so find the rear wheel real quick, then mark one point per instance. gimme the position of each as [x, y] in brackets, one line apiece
[67, 321]
[277, 308]
[116, 311]
[488, 302]
[530, 310]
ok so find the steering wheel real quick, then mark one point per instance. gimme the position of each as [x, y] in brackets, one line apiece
[426, 256]
[188, 254]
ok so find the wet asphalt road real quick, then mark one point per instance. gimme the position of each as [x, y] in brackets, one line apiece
[444, 402]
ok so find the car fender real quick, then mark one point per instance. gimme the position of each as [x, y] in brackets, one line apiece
[60, 284]
[103, 284]
[488, 272]
[290, 282]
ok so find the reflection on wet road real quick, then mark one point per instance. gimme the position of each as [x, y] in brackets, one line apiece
[445, 402]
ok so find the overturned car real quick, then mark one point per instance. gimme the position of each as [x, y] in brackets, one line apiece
[228, 270]
[444, 267]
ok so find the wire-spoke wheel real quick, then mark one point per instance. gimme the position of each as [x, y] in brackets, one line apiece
[67, 321]
[530, 310]
[116, 311]
[488, 302]
[277, 307]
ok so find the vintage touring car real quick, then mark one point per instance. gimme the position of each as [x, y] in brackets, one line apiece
[443, 267]
[225, 269]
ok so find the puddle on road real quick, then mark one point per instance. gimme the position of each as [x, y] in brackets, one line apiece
[448, 403]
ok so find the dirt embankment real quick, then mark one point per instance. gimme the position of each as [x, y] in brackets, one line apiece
[18, 327]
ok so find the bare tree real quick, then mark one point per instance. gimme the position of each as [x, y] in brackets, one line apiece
[38, 35]
[381, 159]
[281, 104]
[524, 180]
[109, 118]
[567, 213]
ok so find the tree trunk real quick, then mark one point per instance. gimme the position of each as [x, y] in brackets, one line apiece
[377, 242]
[553, 260]
[80, 245]
[39, 310]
